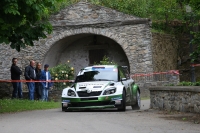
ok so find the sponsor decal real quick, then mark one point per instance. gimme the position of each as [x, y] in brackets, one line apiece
[116, 98]
[106, 98]
[82, 85]
[97, 86]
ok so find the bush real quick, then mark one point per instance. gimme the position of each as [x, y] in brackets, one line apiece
[106, 61]
[184, 83]
[62, 72]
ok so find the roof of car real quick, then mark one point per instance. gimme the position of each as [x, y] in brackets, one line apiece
[106, 66]
[92, 68]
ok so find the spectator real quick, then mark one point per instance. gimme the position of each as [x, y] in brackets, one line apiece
[45, 76]
[38, 88]
[15, 75]
[30, 75]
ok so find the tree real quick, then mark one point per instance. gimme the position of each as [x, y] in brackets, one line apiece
[24, 21]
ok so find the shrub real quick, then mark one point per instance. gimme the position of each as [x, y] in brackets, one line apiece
[106, 61]
[62, 72]
[184, 83]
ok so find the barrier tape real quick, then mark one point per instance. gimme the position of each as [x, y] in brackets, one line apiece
[176, 72]
[193, 65]
[25, 81]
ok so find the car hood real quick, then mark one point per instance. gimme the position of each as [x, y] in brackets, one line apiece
[95, 86]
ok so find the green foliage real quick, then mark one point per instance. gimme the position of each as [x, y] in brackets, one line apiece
[163, 14]
[196, 43]
[105, 61]
[62, 72]
[184, 119]
[14, 105]
[168, 16]
[24, 21]
[189, 83]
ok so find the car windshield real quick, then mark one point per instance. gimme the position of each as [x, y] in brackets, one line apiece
[98, 74]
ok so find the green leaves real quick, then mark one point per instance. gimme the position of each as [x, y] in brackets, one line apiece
[11, 8]
[62, 72]
[25, 21]
[105, 61]
[184, 83]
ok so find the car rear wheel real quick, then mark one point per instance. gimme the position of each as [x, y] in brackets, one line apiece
[138, 102]
[123, 106]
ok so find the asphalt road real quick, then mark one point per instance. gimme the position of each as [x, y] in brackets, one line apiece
[98, 121]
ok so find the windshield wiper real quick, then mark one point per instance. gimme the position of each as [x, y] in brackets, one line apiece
[103, 80]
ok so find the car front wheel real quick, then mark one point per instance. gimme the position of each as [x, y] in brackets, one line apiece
[123, 106]
[138, 102]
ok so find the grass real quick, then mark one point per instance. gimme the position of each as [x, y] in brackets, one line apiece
[15, 105]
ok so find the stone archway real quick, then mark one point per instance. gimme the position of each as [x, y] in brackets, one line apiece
[82, 50]
[83, 20]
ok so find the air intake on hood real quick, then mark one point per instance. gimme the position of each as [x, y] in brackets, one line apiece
[82, 87]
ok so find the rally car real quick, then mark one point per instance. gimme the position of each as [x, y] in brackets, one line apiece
[102, 86]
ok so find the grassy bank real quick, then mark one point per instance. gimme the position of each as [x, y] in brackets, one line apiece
[14, 105]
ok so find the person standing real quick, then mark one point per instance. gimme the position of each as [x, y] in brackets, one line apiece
[45, 76]
[38, 88]
[30, 75]
[15, 75]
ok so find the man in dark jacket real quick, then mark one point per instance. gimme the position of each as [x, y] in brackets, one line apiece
[30, 75]
[38, 88]
[15, 75]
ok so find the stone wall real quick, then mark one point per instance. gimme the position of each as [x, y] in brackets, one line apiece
[131, 34]
[164, 51]
[5, 90]
[77, 53]
[80, 48]
[184, 99]
[54, 95]
[127, 39]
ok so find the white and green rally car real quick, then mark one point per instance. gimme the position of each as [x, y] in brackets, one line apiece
[102, 86]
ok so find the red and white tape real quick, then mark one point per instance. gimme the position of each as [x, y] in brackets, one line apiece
[193, 65]
[175, 72]
[54, 81]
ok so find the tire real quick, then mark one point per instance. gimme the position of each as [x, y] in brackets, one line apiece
[123, 106]
[138, 102]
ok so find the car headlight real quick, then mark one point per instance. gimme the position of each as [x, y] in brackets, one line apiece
[109, 91]
[71, 93]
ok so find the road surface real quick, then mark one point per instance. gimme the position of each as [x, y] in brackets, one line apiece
[106, 121]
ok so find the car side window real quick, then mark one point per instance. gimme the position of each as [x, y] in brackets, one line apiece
[121, 74]
[127, 74]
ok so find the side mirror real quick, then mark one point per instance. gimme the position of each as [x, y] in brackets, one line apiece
[123, 79]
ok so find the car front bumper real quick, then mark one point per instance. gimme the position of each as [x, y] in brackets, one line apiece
[101, 102]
